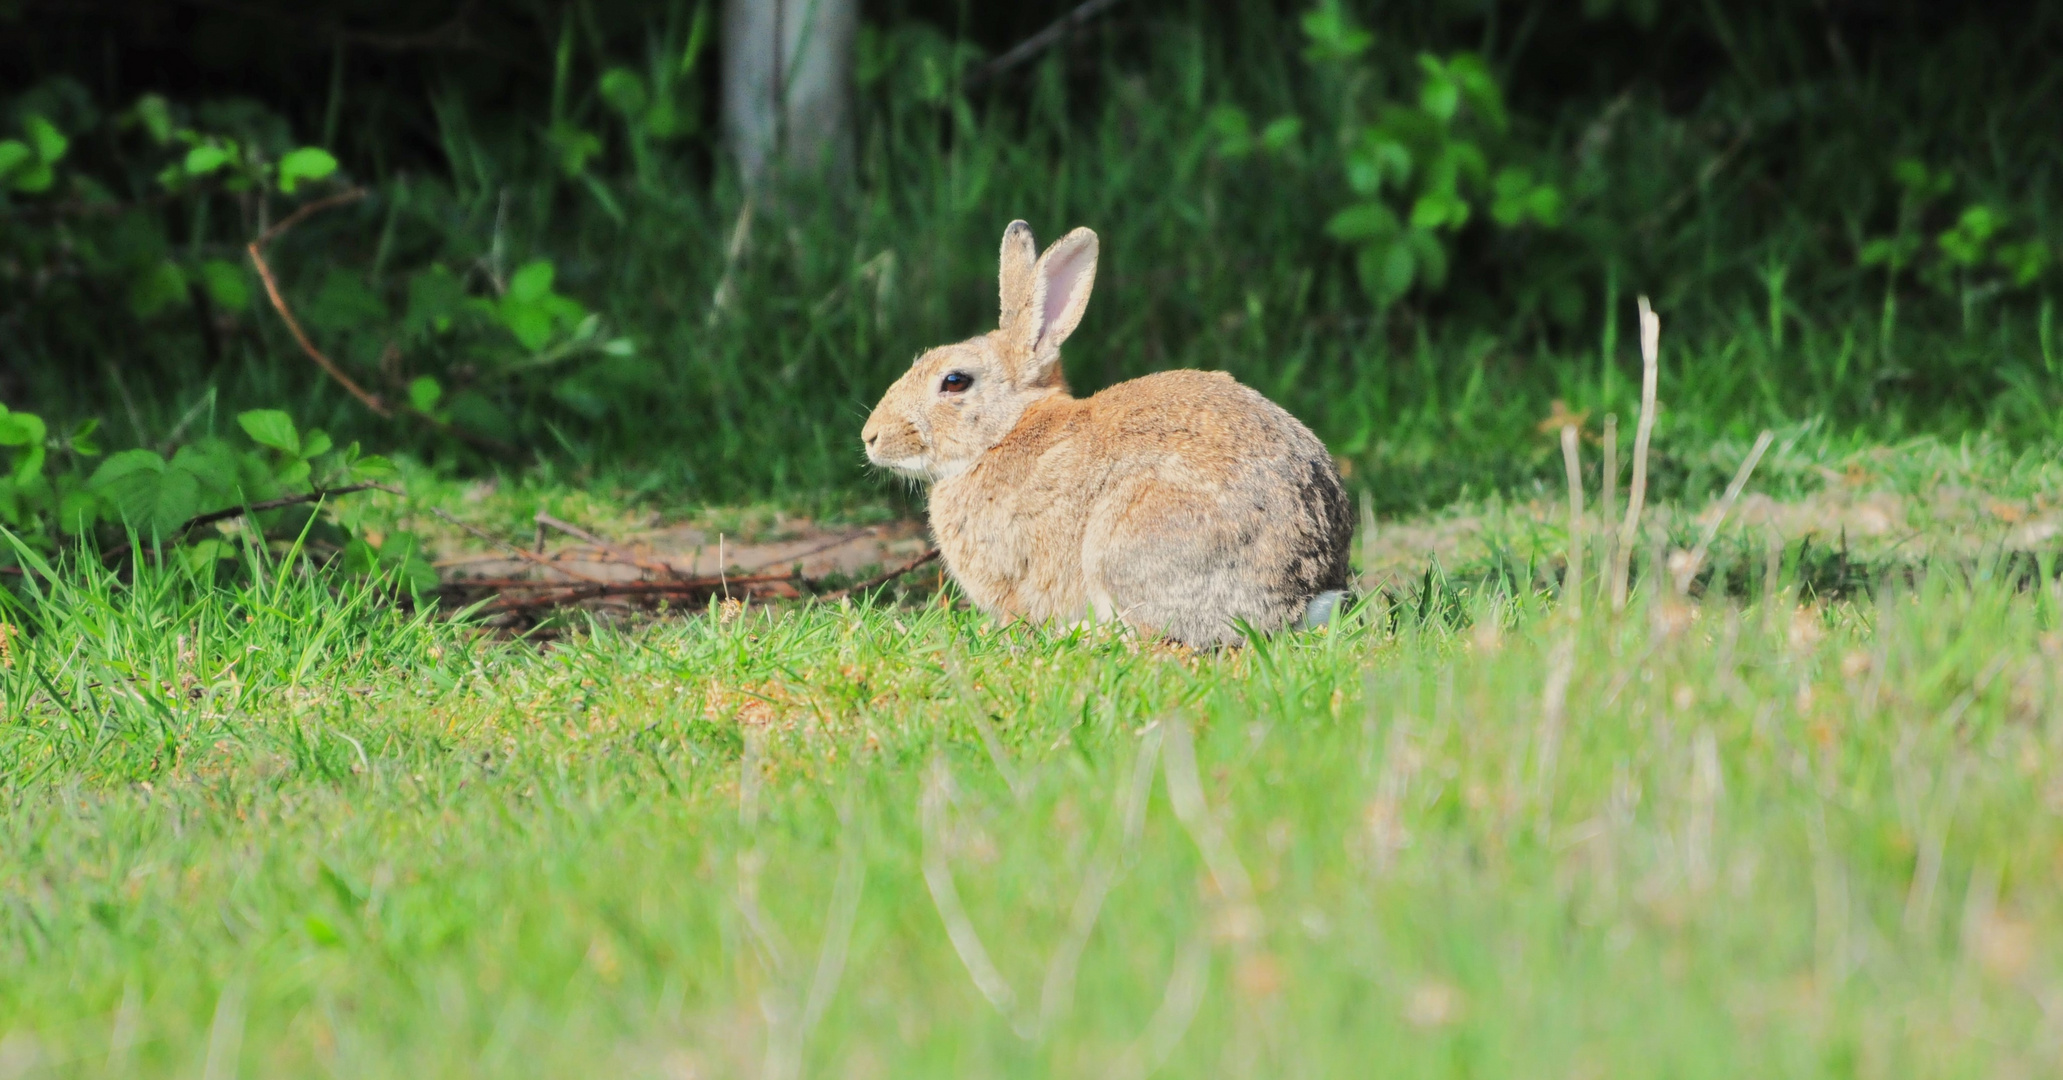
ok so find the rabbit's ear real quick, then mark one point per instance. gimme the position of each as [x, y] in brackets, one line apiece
[1020, 252]
[1059, 295]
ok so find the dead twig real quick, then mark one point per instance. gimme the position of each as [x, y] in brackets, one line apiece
[370, 400]
[318, 495]
[807, 552]
[526, 556]
[1696, 559]
[256, 248]
[1637, 490]
[1572, 579]
[621, 554]
[883, 577]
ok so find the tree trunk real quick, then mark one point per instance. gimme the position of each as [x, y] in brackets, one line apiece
[787, 84]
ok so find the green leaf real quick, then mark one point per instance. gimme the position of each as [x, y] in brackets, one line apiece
[532, 282]
[307, 163]
[21, 429]
[1439, 97]
[435, 297]
[78, 510]
[155, 114]
[1430, 257]
[145, 493]
[213, 465]
[159, 286]
[316, 443]
[205, 158]
[1333, 35]
[573, 146]
[1439, 210]
[1387, 270]
[120, 467]
[1281, 133]
[624, 90]
[50, 143]
[1366, 221]
[14, 153]
[1234, 132]
[199, 558]
[373, 467]
[178, 498]
[530, 323]
[2025, 261]
[271, 427]
[226, 284]
[1478, 88]
[424, 394]
[34, 178]
[80, 440]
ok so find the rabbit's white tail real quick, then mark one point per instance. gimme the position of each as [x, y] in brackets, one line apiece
[1322, 609]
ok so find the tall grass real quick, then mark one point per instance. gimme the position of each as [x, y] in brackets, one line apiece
[1736, 191]
[1707, 839]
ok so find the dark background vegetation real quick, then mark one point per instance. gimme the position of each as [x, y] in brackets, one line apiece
[1736, 162]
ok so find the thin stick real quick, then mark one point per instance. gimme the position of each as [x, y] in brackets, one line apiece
[518, 552]
[1637, 491]
[372, 401]
[1037, 43]
[884, 577]
[741, 231]
[1733, 493]
[214, 516]
[1572, 579]
[805, 553]
[286, 315]
[543, 519]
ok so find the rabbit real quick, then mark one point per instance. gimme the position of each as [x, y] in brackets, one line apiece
[1182, 503]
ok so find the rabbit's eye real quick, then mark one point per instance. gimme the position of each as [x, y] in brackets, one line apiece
[956, 382]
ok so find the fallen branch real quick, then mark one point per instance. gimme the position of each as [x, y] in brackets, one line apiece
[579, 533]
[482, 534]
[318, 495]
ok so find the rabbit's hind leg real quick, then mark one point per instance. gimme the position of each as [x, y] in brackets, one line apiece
[1172, 564]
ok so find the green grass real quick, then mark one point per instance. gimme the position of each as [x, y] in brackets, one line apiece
[272, 829]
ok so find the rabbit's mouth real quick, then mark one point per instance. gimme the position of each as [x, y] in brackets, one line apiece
[909, 467]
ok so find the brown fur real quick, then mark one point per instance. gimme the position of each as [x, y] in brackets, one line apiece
[1182, 503]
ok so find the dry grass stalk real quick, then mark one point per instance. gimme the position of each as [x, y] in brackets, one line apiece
[1608, 497]
[1637, 490]
[1572, 579]
[1689, 569]
[1554, 707]
[1056, 996]
[945, 896]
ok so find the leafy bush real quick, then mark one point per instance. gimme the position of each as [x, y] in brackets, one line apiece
[165, 501]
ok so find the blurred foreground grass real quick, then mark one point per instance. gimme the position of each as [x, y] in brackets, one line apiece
[272, 830]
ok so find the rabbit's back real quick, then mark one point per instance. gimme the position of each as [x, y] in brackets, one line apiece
[1182, 502]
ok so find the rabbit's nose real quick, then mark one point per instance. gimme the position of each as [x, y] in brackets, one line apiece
[873, 438]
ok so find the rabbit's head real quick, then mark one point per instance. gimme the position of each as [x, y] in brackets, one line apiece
[959, 400]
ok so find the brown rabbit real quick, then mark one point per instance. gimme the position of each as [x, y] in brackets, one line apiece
[1182, 503]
